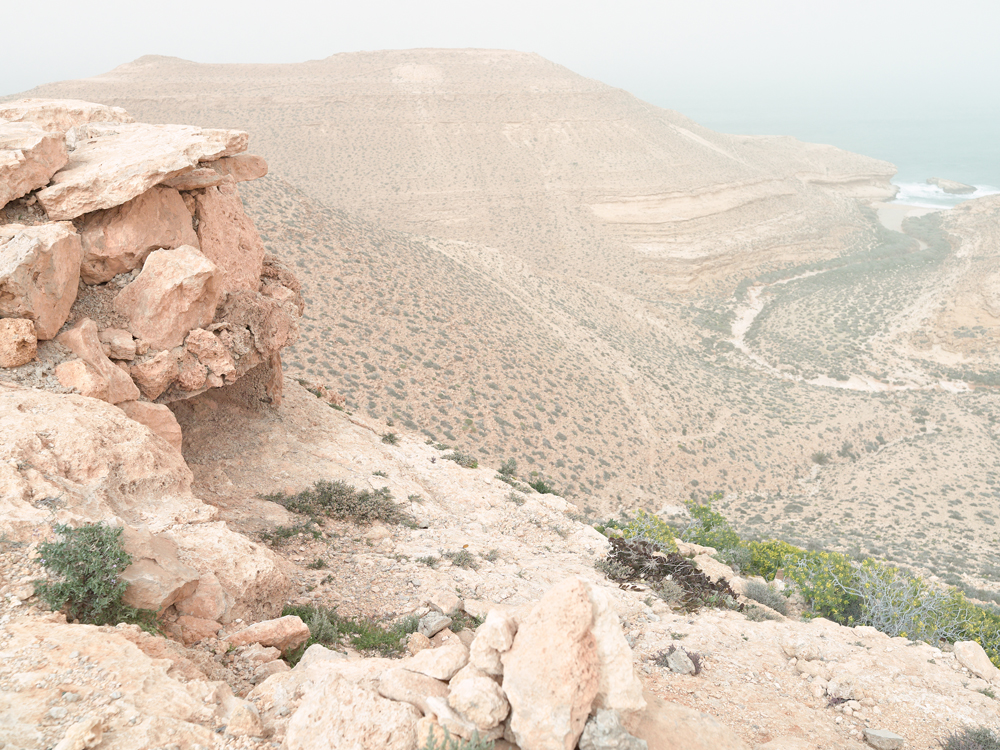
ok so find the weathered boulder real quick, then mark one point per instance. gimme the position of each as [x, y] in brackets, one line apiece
[83, 379]
[493, 639]
[619, 688]
[154, 375]
[39, 274]
[117, 240]
[83, 735]
[18, 342]
[284, 633]
[440, 663]
[339, 713]
[245, 721]
[113, 163]
[59, 115]
[177, 291]
[410, 687]
[211, 353]
[972, 656]
[229, 238]
[249, 573]
[883, 739]
[117, 343]
[208, 602]
[196, 179]
[29, 156]
[551, 674]
[196, 629]
[156, 578]
[480, 700]
[242, 167]
[99, 464]
[83, 340]
[952, 187]
[157, 418]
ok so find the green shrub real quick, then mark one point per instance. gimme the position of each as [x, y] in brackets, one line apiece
[464, 460]
[767, 557]
[761, 592]
[648, 526]
[463, 559]
[447, 742]
[390, 438]
[821, 458]
[542, 487]
[86, 565]
[328, 628]
[709, 528]
[341, 501]
[507, 471]
[284, 534]
[758, 614]
[971, 738]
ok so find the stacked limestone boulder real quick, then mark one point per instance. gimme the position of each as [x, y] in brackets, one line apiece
[126, 245]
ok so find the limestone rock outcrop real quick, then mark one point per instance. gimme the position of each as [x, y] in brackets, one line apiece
[39, 274]
[18, 342]
[29, 156]
[117, 240]
[59, 115]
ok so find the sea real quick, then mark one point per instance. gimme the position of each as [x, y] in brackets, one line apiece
[963, 146]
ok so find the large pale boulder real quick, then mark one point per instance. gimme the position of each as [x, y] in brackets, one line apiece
[117, 240]
[157, 418]
[208, 602]
[229, 238]
[82, 378]
[972, 656]
[156, 578]
[241, 167]
[440, 663]
[480, 700]
[29, 156]
[177, 291]
[619, 689]
[493, 639]
[84, 341]
[551, 674]
[284, 633]
[114, 163]
[59, 115]
[249, 573]
[95, 460]
[339, 713]
[18, 342]
[410, 687]
[39, 274]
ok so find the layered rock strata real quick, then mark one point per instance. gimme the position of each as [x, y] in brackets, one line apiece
[177, 295]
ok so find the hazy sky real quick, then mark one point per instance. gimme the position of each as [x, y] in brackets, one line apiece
[711, 59]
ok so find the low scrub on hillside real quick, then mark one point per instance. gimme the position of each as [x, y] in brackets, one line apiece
[833, 585]
[343, 502]
[85, 568]
[330, 629]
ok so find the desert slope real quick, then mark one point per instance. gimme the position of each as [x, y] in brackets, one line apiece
[516, 152]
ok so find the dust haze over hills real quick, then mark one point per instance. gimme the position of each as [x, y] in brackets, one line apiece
[525, 263]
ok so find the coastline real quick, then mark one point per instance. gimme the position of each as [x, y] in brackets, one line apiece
[892, 214]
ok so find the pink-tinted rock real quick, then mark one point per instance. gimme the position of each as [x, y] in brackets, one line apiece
[177, 291]
[155, 374]
[208, 602]
[241, 167]
[156, 577]
[59, 115]
[195, 629]
[210, 351]
[551, 673]
[39, 274]
[29, 156]
[192, 374]
[114, 163]
[18, 342]
[285, 634]
[118, 239]
[118, 343]
[82, 378]
[157, 418]
[83, 340]
[229, 239]
[196, 179]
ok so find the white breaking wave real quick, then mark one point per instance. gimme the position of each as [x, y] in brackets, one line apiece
[931, 196]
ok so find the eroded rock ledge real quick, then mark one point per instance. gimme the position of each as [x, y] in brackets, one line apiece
[126, 247]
